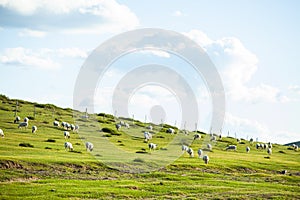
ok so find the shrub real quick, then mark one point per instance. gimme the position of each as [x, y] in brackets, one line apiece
[110, 131]
[30, 117]
[50, 140]
[23, 144]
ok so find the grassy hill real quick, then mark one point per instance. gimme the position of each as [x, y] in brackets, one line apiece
[35, 166]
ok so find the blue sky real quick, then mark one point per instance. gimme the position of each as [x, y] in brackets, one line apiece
[254, 45]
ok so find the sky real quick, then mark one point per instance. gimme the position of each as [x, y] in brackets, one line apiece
[254, 45]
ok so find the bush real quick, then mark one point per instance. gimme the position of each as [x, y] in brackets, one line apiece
[110, 131]
[30, 117]
[50, 140]
[23, 144]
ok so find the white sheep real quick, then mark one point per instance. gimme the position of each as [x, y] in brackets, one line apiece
[89, 146]
[147, 136]
[17, 119]
[197, 136]
[122, 123]
[1, 133]
[231, 147]
[209, 147]
[66, 134]
[259, 146]
[76, 128]
[270, 145]
[200, 152]
[170, 130]
[238, 140]
[296, 148]
[251, 141]
[205, 159]
[184, 148]
[152, 146]
[190, 151]
[72, 126]
[118, 126]
[68, 146]
[150, 127]
[34, 129]
[127, 125]
[68, 126]
[247, 149]
[269, 151]
[64, 124]
[23, 124]
[56, 123]
[26, 119]
[213, 138]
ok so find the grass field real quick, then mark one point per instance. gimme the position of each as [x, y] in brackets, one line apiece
[47, 170]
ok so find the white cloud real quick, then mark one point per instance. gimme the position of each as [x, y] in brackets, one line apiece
[294, 88]
[284, 137]
[72, 52]
[70, 16]
[32, 33]
[237, 66]
[177, 13]
[156, 52]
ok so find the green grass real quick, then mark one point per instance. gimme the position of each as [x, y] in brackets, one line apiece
[43, 168]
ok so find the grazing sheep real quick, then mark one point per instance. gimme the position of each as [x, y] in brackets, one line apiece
[23, 124]
[89, 146]
[269, 151]
[205, 159]
[34, 129]
[147, 136]
[220, 137]
[283, 172]
[209, 147]
[150, 127]
[251, 141]
[26, 119]
[56, 123]
[127, 125]
[265, 146]
[197, 136]
[190, 151]
[66, 134]
[64, 124]
[17, 119]
[118, 126]
[170, 130]
[270, 145]
[76, 128]
[68, 146]
[122, 123]
[259, 146]
[296, 148]
[184, 148]
[68, 126]
[238, 140]
[72, 126]
[213, 138]
[200, 152]
[231, 147]
[152, 146]
[247, 149]
[1, 133]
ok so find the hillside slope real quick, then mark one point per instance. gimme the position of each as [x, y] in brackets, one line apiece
[36, 165]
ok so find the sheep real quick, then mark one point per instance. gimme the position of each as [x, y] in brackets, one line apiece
[200, 152]
[89, 146]
[205, 159]
[147, 136]
[23, 124]
[209, 147]
[26, 119]
[184, 148]
[296, 148]
[170, 130]
[265, 146]
[66, 134]
[63, 124]
[76, 128]
[118, 126]
[17, 119]
[56, 123]
[197, 136]
[68, 146]
[238, 140]
[1, 133]
[269, 151]
[122, 123]
[220, 137]
[190, 151]
[127, 125]
[259, 146]
[213, 138]
[251, 141]
[72, 126]
[152, 146]
[231, 147]
[150, 127]
[247, 149]
[270, 145]
[34, 129]
[68, 126]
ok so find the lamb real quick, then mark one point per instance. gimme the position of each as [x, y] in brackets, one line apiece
[150, 127]
[269, 151]
[200, 152]
[209, 147]
[26, 119]
[231, 147]
[66, 134]
[56, 123]
[147, 136]
[197, 136]
[17, 119]
[247, 149]
[118, 126]
[1, 133]
[205, 159]
[190, 151]
[152, 146]
[68, 146]
[23, 124]
[170, 130]
[89, 146]
[34, 129]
